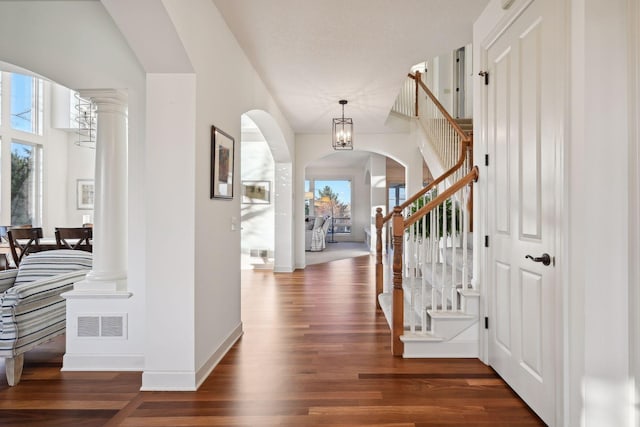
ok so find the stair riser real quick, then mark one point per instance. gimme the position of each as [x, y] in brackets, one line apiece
[448, 328]
[470, 305]
[431, 350]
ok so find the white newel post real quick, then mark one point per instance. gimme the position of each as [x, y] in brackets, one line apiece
[109, 273]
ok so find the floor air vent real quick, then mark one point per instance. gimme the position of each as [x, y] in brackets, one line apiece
[111, 326]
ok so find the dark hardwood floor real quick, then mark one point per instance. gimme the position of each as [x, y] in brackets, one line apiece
[315, 353]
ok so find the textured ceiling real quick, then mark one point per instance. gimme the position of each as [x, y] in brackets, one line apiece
[312, 53]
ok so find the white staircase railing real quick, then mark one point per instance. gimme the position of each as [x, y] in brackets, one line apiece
[406, 100]
[444, 132]
[430, 230]
[436, 261]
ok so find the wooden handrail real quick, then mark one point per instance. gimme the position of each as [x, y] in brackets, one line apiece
[465, 141]
[447, 174]
[445, 113]
[417, 215]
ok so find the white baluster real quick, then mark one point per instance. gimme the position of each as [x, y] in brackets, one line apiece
[465, 232]
[434, 243]
[443, 282]
[454, 241]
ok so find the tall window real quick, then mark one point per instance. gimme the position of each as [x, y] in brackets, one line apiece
[26, 103]
[397, 196]
[333, 198]
[25, 173]
[21, 129]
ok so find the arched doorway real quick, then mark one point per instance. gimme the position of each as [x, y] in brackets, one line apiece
[267, 241]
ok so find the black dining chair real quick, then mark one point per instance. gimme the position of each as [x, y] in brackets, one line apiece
[24, 241]
[78, 238]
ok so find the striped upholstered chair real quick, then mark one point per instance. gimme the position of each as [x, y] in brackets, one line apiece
[31, 308]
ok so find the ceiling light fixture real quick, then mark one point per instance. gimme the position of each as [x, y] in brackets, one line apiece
[343, 131]
[86, 120]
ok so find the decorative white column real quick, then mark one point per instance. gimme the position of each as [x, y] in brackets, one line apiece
[109, 273]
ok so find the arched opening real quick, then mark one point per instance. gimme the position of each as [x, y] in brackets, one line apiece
[346, 188]
[258, 205]
[267, 194]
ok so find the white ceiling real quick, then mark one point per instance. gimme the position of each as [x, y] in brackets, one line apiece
[312, 53]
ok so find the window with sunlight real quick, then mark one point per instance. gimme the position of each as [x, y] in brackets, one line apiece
[24, 183]
[21, 130]
[26, 103]
[397, 196]
[331, 197]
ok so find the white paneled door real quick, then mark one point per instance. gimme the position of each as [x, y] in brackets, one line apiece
[521, 194]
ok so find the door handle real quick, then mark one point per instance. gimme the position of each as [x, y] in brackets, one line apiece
[545, 259]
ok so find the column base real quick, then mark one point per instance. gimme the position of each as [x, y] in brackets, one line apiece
[102, 282]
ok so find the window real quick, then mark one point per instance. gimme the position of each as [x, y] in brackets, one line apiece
[21, 129]
[26, 103]
[332, 197]
[308, 197]
[25, 185]
[397, 196]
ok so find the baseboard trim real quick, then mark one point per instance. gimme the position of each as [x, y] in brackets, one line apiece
[102, 362]
[168, 381]
[217, 356]
[189, 380]
[426, 350]
[283, 269]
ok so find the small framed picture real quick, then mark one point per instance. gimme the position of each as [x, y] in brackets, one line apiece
[85, 192]
[256, 192]
[221, 164]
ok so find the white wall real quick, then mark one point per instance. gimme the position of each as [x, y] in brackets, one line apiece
[377, 169]
[81, 165]
[598, 178]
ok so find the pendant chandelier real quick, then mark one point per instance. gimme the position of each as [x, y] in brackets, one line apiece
[86, 120]
[342, 131]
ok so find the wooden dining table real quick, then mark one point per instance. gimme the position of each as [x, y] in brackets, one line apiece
[46, 244]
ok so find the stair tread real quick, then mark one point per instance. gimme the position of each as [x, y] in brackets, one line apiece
[413, 337]
[438, 314]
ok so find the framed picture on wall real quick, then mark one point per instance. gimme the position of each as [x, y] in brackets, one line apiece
[222, 145]
[256, 192]
[85, 191]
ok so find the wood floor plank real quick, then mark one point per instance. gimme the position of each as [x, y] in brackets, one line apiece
[315, 352]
